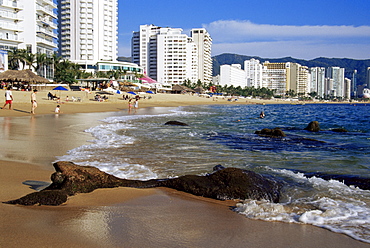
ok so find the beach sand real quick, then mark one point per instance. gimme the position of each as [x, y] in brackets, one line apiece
[119, 217]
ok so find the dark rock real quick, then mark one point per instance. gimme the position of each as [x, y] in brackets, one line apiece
[276, 132]
[313, 126]
[224, 183]
[339, 130]
[45, 197]
[176, 123]
[227, 184]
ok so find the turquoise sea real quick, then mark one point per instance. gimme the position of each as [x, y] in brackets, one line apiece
[325, 174]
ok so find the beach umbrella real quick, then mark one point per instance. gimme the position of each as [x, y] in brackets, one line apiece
[150, 92]
[60, 88]
[131, 92]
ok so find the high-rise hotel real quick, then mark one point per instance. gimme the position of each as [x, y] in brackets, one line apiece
[88, 31]
[171, 57]
[28, 24]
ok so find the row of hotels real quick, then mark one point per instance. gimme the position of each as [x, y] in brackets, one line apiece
[86, 33]
[285, 77]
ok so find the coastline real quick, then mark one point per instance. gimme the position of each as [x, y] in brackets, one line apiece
[124, 217]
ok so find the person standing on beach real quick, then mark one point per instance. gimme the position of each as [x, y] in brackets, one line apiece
[8, 98]
[33, 101]
[136, 104]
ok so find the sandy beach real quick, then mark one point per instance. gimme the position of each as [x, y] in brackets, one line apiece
[120, 217]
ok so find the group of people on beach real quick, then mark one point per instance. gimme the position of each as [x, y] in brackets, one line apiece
[9, 99]
[133, 103]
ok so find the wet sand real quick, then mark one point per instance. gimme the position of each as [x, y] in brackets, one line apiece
[120, 217]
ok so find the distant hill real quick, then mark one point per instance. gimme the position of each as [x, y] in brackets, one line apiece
[124, 59]
[349, 64]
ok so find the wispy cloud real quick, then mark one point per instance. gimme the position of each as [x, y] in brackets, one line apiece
[245, 37]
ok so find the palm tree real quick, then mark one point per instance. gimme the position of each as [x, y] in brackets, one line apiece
[16, 58]
[30, 59]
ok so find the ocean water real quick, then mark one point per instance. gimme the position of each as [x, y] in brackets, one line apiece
[324, 174]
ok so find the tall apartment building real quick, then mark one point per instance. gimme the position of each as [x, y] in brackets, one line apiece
[297, 78]
[171, 57]
[368, 77]
[232, 75]
[317, 80]
[337, 75]
[203, 42]
[30, 25]
[88, 31]
[253, 73]
[274, 77]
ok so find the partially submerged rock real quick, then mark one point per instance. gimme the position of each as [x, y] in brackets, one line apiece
[276, 132]
[224, 183]
[339, 130]
[176, 123]
[313, 126]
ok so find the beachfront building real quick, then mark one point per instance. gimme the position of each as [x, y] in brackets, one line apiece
[30, 25]
[88, 32]
[274, 77]
[347, 88]
[317, 81]
[203, 42]
[232, 75]
[368, 77]
[171, 57]
[253, 73]
[337, 76]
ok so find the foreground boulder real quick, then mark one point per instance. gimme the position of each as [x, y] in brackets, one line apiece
[223, 184]
[276, 132]
[313, 126]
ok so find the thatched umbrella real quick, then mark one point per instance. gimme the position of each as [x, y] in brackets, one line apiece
[26, 76]
[178, 89]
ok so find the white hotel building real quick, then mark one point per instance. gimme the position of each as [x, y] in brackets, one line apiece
[171, 57]
[88, 35]
[88, 31]
[28, 24]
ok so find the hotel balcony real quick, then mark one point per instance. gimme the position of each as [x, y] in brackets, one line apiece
[42, 41]
[14, 38]
[46, 11]
[12, 4]
[49, 2]
[46, 32]
[10, 26]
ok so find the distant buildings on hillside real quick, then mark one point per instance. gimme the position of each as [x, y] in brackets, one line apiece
[288, 77]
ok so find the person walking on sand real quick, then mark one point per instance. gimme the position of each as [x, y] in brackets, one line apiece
[8, 98]
[33, 101]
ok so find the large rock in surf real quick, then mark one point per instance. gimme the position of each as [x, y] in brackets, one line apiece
[313, 126]
[176, 123]
[225, 183]
[276, 132]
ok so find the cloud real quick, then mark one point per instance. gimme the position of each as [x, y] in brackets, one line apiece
[246, 30]
[245, 37]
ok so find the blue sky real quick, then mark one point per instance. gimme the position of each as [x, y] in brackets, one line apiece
[265, 28]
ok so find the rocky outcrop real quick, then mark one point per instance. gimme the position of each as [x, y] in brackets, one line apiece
[276, 132]
[176, 123]
[224, 183]
[313, 126]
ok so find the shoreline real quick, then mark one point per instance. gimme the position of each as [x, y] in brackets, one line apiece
[123, 217]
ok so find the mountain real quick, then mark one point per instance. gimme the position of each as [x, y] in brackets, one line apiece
[349, 64]
[124, 59]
